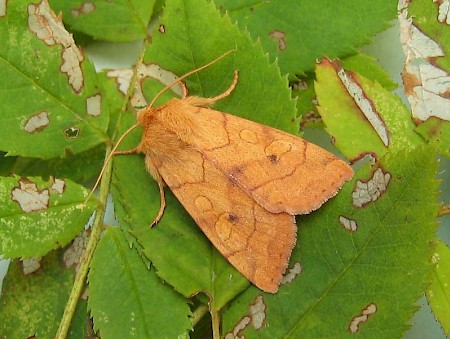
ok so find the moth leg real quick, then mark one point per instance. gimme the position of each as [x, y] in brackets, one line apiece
[153, 170]
[183, 89]
[228, 91]
[130, 151]
[162, 205]
[205, 102]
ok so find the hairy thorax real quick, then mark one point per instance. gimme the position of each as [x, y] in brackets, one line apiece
[165, 130]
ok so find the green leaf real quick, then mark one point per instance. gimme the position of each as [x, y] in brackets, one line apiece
[298, 33]
[81, 326]
[195, 34]
[136, 302]
[438, 292]
[437, 132]
[118, 21]
[380, 122]
[51, 98]
[367, 66]
[304, 89]
[79, 168]
[379, 265]
[37, 216]
[33, 303]
[6, 164]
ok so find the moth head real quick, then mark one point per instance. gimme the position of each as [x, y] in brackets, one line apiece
[147, 116]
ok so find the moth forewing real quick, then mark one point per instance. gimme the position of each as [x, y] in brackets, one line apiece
[282, 172]
[258, 243]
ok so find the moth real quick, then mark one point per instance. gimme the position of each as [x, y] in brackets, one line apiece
[241, 182]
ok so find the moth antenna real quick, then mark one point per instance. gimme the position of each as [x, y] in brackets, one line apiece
[110, 155]
[188, 74]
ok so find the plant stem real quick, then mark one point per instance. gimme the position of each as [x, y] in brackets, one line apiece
[198, 313]
[83, 267]
[215, 317]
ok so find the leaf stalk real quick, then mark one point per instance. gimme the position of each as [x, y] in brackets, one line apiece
[83, 268]
[215, 317]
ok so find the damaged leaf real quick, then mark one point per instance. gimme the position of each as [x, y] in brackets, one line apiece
[118, 21]
[37, 216]
[45, 85]
[372, 272]
[297, 33]
[376, 120]
[425, 36]
[31, 303]
[436, 131]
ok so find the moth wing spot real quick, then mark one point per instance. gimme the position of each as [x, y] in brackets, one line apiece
[236, 171]
[29, 198]
[273, 158]
[85, 8]
[162, 29]
[31, 265]
[72, 132]
[93, 105]
[368, 192]
[361, 318]
[224, 227]
[49, 28]
[348, 224]
[276, 149]
[291, 274]
[36, 122]
[280, 37]
[233, 217]
[203, 204]
[59, 185]
[249, 136]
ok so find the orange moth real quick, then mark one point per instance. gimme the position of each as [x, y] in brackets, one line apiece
[241, 182]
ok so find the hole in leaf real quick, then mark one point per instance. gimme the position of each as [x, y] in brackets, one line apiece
[72, 132]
